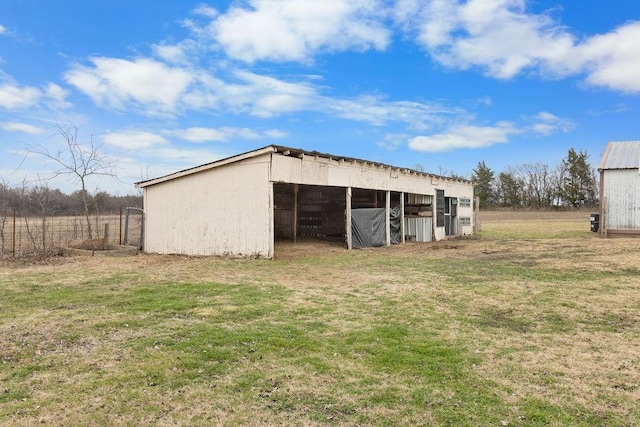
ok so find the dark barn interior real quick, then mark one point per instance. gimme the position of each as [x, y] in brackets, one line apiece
[318, 211]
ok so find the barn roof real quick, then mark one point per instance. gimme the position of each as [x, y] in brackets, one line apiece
[621, 155]
[287, 151]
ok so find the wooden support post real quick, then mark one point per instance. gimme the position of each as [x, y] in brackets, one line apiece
[387, 208]
[402, 217]
[603, 204]
[348, 220]
[603, 218]
[272, 222]
[295, 213]
[476, 216]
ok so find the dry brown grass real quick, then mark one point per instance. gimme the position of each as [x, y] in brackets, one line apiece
[548, 326]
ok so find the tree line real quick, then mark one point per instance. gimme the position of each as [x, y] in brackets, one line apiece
[41, 200]
[571, 183]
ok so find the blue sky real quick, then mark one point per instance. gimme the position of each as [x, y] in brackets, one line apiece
[163, 85]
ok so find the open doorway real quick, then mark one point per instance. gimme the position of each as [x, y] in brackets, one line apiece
[450, 216]
[311, 212]
[308, 212]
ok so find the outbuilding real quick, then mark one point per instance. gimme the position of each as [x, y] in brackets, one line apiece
[620, 189]
[242, 204]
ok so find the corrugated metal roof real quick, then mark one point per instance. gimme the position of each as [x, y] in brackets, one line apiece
[621, 155]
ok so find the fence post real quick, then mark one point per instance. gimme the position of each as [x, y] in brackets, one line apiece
[126, 229]
[120, 241]
[14, 232]
[106, 235]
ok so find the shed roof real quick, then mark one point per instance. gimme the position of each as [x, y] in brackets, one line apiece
[621, 155]
[287, 151]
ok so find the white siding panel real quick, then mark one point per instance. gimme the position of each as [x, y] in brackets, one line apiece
[335, 173]
[622, 190]
[306, 170]
[221, 211]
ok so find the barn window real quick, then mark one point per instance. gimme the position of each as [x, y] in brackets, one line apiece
[465, 202]
[465, 220]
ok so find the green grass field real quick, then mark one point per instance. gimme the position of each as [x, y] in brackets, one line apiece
[534, 322]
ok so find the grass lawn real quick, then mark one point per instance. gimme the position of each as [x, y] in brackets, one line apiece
[534, 322]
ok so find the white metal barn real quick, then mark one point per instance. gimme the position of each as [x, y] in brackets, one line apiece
[620, 189]
[242, 204]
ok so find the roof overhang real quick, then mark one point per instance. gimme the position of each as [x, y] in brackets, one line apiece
[207, 166]
[285, 151]
[621, 155]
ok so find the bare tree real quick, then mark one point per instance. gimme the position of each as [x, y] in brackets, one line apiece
[540, 183]
[79, 161]
[39, 199]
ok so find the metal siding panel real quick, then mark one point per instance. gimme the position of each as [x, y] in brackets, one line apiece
[420, 228]
[622, 190]
[221, 211]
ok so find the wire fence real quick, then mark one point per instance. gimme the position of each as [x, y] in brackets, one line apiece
[26, 235]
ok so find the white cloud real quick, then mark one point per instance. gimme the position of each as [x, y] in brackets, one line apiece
[294, 30]
[378, 111]
[21, 127]
[546, 124]
[496, 35]
[159, 89]
[265, 96]
[57, 96]
[154, 86]
[200, 134]
[224, 134]
[464, 137]
[392, 142]
[3, 29]
[134, 139]
[613, 59]
[179, 53]
[13, 96]
[206, 11]
[503, 39]
[275, 134]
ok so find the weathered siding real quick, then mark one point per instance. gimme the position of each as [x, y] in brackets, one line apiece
[220, 211]
[322, 171]
[622, 198]
[311, 170]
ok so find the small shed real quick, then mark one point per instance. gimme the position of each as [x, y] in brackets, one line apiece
[620, 189]
[242, 204]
